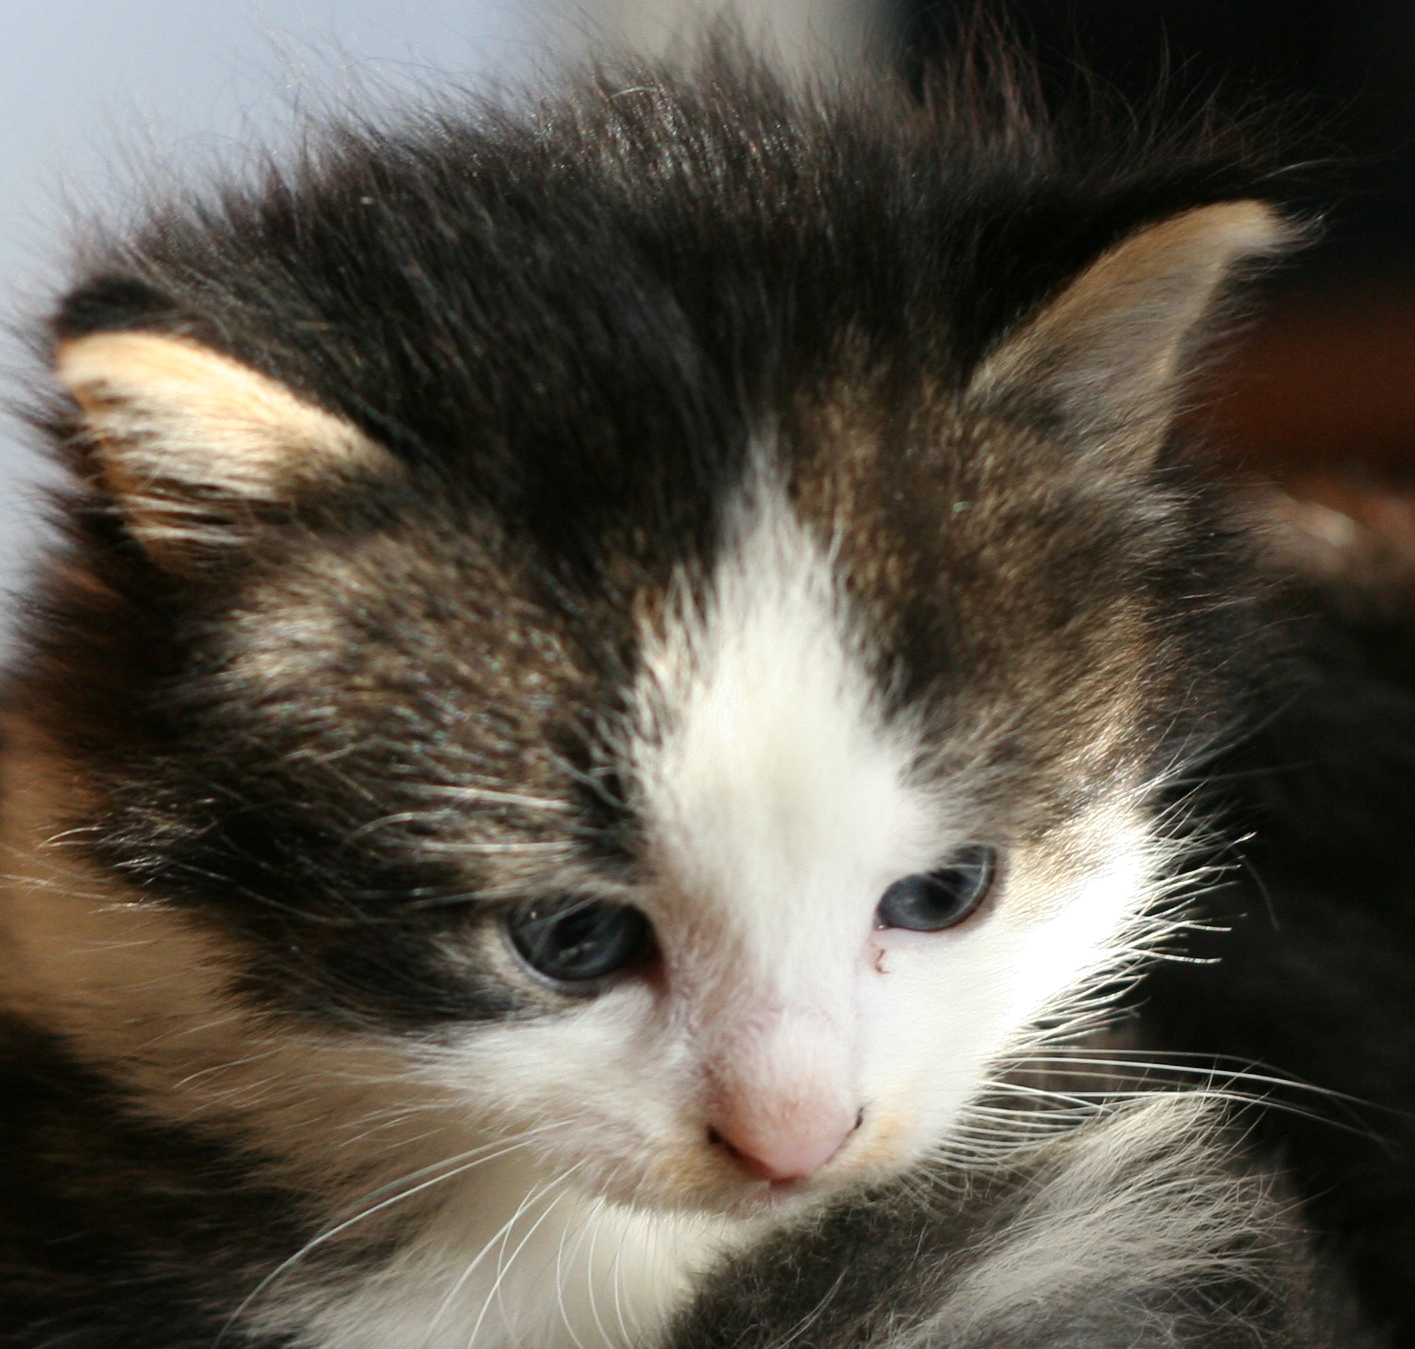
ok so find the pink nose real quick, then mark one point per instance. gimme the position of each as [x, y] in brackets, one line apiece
[782, 1151]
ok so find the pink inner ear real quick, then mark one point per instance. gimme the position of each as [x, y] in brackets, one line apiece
[187, 440]
[165, 410]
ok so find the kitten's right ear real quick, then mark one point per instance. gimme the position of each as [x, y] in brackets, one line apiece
[1105, 359]
[193, 444]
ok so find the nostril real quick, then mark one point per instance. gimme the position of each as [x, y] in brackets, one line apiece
[859, 1119]
[752, 1165]
[716, 1140]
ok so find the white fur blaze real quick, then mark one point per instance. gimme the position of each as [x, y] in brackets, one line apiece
[771, 781]
[777, 798]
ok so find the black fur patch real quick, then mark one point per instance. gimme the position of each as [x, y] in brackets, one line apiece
[117, 1232]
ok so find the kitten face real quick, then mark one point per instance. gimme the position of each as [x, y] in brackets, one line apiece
[745, 751]
[774, 1022]
[358, 675]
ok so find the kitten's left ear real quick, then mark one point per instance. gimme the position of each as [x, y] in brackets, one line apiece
[1106, 358]
[193, 444]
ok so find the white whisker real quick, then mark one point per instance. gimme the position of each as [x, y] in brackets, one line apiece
[504, 1262]
[590, 1266]
[491, 796]
[449, 1169]
[451, 846]
[561, 1273]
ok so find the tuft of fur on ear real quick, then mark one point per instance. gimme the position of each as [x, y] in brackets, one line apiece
[192, 442]
[1106, 358]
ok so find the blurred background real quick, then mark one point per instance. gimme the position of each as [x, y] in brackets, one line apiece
[93, 95]
[1320, 394]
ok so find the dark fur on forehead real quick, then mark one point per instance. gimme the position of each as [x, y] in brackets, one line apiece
[652, 256]
[569, 323]
[1021, 611]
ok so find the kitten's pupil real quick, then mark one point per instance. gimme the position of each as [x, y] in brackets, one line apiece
[931, 901]
[577, 940]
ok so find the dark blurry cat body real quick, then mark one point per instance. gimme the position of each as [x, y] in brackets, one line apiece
[611, 664]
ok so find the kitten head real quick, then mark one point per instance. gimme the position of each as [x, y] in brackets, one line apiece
[670, 613]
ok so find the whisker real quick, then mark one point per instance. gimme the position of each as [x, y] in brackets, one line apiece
[814, 1315]
[471, 1267]
[590, 1265]
[561, 1272]
[1227, 1083]
[616, 1271]
[505, 1262]
[458, 847]
[491, 796]
[459, 1165]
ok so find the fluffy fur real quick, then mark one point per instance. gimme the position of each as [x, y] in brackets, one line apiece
[685, 494]
[1147, 1228]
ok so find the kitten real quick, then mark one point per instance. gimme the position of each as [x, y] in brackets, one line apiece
[612, 662]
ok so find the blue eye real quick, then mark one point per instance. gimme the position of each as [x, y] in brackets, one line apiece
[577, 940]
[933, 900]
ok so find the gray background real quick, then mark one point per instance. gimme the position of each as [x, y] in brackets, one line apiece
[92, 91]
